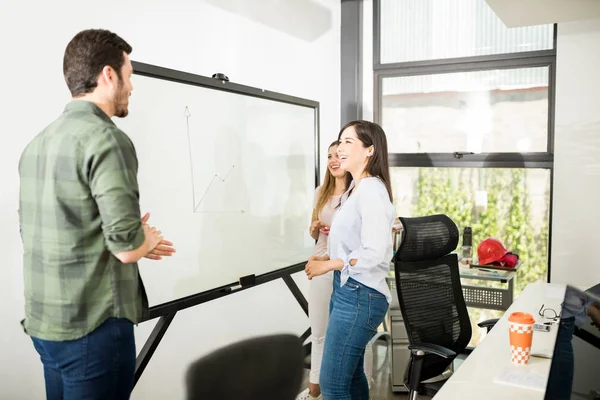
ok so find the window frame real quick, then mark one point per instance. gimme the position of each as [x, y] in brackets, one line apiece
[459, 159]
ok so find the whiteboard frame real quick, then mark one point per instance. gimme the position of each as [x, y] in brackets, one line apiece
[166, 311]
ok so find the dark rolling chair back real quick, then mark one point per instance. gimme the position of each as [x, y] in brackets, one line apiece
[265, 368]
[431, 298]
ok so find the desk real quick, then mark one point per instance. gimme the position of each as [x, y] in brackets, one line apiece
[474, 379]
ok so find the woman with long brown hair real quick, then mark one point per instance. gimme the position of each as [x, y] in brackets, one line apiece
[359, 254]
[326, 201]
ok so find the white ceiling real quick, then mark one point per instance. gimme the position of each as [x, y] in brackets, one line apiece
[539, 12]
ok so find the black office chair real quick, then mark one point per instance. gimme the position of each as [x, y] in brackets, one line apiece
[431, 300]
[267, 367]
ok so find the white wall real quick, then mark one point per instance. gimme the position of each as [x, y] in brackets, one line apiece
[291, 47]
[576, 209]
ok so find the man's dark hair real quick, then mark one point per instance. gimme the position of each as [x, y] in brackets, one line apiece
[87, 54]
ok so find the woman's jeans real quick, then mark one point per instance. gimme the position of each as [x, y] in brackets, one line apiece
[355, 313]
[319, 301]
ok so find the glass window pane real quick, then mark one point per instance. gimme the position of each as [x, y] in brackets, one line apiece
[417, 30]
[479, 111]
[510, 204]
[478, 315]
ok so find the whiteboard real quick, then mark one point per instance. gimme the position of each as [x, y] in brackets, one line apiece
[227, 177]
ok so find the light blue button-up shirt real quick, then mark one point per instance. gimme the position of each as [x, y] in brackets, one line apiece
[362, 230]
[577, 303]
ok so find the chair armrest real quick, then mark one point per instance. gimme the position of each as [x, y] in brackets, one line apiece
[488, 323]
[429, 348]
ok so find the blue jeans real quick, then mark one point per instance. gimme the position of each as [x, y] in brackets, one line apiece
[355, 313]
[100, 365]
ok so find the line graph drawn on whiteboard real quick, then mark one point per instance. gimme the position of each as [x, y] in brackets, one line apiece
[209, 196]
[210, 185]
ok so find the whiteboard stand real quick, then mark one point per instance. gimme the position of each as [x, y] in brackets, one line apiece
[166, 312]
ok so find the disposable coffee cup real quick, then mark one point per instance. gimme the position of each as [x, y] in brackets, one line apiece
[521, 335]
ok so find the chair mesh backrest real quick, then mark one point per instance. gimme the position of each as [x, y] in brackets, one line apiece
[429, 288]
[427, 238]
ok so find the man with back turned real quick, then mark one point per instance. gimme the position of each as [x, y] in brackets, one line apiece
[83, 232]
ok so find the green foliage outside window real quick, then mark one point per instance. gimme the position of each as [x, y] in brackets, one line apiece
[507, 216]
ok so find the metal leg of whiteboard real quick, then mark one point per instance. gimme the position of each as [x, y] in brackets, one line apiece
[167, 312]
[289, 281]
[151, 344]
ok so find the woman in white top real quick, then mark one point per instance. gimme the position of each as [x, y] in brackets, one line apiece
[326, 200]
[359, 253]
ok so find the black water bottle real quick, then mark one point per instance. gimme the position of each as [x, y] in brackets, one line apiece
[467, 246]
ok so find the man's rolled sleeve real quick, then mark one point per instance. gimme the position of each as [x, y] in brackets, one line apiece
[111, 166]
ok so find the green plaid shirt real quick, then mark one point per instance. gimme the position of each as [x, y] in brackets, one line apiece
[79, 204]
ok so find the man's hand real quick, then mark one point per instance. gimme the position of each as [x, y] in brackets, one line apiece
[159, 247]
[594, 314]
[164, 248]
[152, 235]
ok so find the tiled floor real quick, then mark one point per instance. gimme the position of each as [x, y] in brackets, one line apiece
[382, 389]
